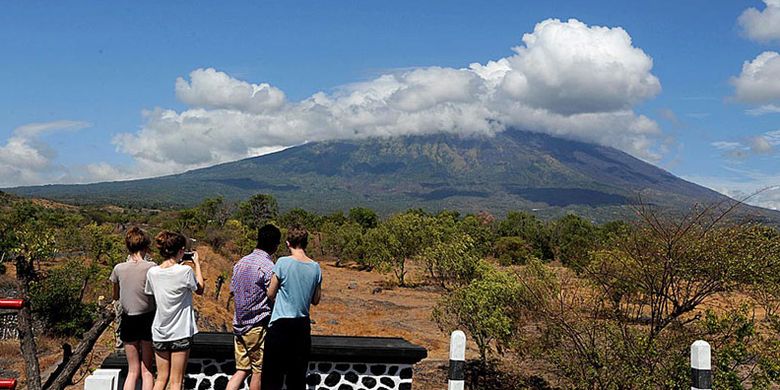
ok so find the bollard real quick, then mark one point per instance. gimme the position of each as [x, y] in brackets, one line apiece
[457, 373]
[701, 369]
[7, 384]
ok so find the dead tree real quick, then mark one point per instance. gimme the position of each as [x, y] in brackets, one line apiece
[25, 274]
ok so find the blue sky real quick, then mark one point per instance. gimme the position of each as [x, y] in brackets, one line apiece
[90, 92]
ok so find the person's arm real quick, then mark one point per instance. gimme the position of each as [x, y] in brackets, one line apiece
[115, 295]
[198, 274]
[315, 300]
[273, 288]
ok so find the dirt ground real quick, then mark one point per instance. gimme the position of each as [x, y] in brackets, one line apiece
[354, 303]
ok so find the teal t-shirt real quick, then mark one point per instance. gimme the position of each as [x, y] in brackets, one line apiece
[297, 283]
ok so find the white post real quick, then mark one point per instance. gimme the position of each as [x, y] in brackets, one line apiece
[457, 373]
[99, 382]
[701, 368]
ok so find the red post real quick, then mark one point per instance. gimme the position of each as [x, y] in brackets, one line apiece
[14, 304]
[7, 384]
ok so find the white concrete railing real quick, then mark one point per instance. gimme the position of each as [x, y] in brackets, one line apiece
[701, 368]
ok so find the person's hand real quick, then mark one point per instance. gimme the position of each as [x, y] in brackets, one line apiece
[195, 258]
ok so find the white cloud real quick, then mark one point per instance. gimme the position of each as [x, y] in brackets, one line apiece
[760, 144]
[209, 88]
[754, 188]
[566, 79]
[762, 26]
[759, 81]
[25, 159]
[763, 110]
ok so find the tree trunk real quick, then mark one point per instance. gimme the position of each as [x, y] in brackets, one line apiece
[24, 274]
[83, 349]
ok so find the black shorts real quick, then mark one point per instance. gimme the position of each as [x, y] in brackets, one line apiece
[173, 346]
[136, 328]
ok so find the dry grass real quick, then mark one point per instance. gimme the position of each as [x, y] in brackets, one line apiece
[358, 311]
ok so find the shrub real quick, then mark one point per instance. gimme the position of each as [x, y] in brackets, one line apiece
[344, 241]
[484, 309]
[56, 299]
[453, 262]
[400, 238]
[512, 250]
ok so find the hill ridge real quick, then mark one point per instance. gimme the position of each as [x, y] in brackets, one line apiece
[511, 170]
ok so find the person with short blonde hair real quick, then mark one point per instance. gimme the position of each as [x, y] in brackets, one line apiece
[295, 286]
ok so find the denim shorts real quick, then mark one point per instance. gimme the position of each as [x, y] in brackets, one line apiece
[173, 346]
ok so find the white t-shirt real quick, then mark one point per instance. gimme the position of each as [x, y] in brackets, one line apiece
[172, 288]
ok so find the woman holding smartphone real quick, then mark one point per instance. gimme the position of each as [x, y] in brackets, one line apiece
[172, 285]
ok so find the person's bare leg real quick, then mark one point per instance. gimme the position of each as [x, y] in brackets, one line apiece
[147, 359]
[133, 353]
[237, 380]
[178, 368]
[163, 359]
[254, 383]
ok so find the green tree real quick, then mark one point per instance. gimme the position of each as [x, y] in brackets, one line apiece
[345, 242]
[512, 250]
[56, 299]
[101, 244]
[364, 217]
[530, 229]
[395, 241]
[258, 210]
[485, 309]
[300, 217]
[572, 238]
[453, 262]
[480, 230]
[213, 211]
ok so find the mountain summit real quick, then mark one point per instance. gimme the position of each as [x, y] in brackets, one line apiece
[509, 171]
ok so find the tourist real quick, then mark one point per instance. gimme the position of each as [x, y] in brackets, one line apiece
[174, 321]
[295, 285]
[249, 288]
[137, 308]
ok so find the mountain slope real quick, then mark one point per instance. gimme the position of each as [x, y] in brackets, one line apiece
[512, 170]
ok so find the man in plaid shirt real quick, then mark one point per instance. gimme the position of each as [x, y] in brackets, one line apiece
[251, 278]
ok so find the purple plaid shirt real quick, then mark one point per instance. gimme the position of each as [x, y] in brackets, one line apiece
[251, 278]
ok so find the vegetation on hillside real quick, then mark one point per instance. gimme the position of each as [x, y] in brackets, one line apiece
[587, 305]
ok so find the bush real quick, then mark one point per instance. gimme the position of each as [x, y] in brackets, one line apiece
[453, 262]
[484, 309]
[396, 240]
[345, 241]
[512, 250]
[571, 239]
[481, 230]
[56, 299]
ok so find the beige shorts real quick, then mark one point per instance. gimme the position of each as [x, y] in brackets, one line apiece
[249, 349]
